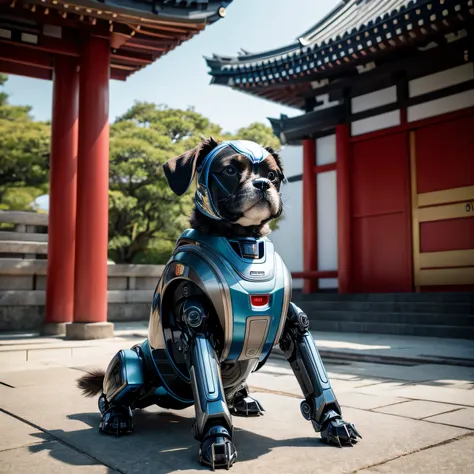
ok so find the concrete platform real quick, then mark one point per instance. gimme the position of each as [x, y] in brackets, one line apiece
[413, 417]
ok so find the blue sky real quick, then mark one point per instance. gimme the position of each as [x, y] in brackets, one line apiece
[180, 79]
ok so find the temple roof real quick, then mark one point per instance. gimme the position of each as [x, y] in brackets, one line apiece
[354, 32]
[140, 31]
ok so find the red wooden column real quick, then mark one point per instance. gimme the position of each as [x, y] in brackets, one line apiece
[344, 217]
[310, 229]
[62, 197]
[90, 291]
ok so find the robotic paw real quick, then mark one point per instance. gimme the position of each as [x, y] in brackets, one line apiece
[117, 420]
[246, 406]
[339, 433]
[217, 449]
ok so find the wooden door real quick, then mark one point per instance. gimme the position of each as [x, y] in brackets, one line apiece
[442, 183]
[380, 192]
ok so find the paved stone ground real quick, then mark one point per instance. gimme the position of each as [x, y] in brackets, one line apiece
[413, 416]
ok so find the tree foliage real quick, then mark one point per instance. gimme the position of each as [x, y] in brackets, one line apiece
[145, 216]
[24, 156]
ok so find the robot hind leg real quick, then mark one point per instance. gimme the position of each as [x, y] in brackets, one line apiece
[234, 376]
[122, 383]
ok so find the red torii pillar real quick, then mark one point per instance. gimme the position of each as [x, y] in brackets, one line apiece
[344, 217]
[90, 289]
[62, 197]
[310, 215]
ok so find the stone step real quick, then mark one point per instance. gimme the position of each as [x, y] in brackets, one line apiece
[26, 218]
[441, 331]
[389, 307]
[17, 266]
[429, 297]
[394, 318]
[23, 236]
[38, 297]
[20, 247]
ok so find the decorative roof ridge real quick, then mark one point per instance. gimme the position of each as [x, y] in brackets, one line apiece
[254, 56]
[302, 43]
[411, 21]
[322, 22]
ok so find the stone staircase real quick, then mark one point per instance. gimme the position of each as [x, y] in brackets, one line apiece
[447, 315]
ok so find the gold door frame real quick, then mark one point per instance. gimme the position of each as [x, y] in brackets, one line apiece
[447, 267]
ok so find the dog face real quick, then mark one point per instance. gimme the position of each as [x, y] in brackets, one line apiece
[233, 185]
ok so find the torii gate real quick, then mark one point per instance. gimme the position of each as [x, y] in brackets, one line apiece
[81, 45]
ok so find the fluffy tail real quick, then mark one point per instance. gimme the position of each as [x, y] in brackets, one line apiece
[91, 383]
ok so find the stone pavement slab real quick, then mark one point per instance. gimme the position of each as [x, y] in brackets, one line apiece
[347, 345]
[428, 348]
[162, 442]
[39, 459]
[452, 457]
[417, 409]
[16, 434]
[381, 400]
[463, 418]
[432, 393]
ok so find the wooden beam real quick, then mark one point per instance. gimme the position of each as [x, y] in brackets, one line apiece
[131, 46]
[415, 63]
[123, 67]
[14, 53]
[27, 71]
[135, 59]
[48, 45]
[118, 75]
[154, 43]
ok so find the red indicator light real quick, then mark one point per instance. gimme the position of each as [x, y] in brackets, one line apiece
[260, 300]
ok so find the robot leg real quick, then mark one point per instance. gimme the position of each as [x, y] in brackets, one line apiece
[122, 383]
[245, 405]
[234, 376]
[213, 424]
[320, 405]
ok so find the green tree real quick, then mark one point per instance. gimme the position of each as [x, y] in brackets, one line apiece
[24, 156]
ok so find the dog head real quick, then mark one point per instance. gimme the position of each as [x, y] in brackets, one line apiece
[237, 181]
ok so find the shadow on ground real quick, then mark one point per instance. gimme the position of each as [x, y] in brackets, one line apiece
[162, 442]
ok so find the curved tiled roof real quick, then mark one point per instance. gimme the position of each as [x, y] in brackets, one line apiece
[140, 31]
[354, 30]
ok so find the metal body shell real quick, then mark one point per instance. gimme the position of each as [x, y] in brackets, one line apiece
[228, 276]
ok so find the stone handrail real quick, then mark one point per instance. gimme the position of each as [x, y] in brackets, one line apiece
[25, 218]
[23, 279]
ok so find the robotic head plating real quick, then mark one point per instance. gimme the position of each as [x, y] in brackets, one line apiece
[207, 201]
[237, 181]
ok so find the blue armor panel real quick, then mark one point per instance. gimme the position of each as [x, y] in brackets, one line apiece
[229, 272]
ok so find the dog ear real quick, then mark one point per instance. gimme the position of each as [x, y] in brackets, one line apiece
[180, 171]
[277, 158]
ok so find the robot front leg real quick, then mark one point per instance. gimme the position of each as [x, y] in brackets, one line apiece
[213, 424]
[320, 405]
[122, 383]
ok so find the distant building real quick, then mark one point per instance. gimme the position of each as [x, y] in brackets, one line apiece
[381, 160]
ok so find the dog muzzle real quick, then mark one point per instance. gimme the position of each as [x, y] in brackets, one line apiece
[203, 197]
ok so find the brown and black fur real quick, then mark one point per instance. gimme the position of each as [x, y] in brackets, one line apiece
[181, 166]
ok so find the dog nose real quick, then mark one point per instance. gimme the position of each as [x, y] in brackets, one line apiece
[262, 183]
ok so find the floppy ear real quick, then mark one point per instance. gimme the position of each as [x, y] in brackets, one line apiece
[277, 158]
[180, 171]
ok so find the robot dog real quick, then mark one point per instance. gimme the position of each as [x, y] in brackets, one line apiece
[221, 305]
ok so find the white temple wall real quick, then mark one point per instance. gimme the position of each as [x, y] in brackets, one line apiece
[288, 238]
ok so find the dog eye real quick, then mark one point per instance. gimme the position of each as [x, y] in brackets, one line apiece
[271, 176]
[230, 170]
